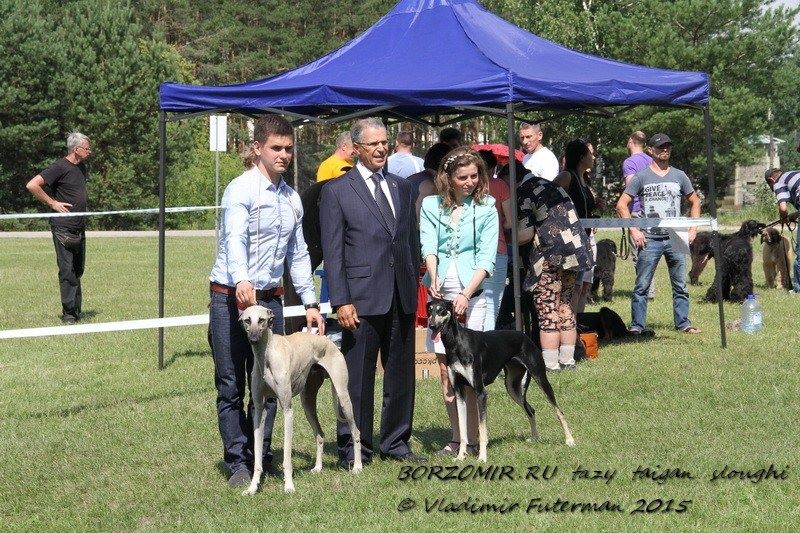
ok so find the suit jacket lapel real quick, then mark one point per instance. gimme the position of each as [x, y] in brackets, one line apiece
[360, 186]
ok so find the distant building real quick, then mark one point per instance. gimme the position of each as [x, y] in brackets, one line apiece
[748, 178]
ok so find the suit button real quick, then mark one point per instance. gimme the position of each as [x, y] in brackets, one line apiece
[391, 262]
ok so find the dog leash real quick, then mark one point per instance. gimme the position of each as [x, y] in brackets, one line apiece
[624, 245]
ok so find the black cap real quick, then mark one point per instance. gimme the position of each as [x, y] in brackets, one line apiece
[659, 139]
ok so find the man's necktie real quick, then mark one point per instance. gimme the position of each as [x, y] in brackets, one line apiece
[383, 202]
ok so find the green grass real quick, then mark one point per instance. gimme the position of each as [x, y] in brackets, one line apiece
[94, 437]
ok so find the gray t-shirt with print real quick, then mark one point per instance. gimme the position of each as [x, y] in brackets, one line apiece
[660, 195]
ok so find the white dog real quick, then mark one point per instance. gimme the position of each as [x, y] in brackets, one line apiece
[282, 369]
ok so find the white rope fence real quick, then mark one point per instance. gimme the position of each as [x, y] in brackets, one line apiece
[669, 223]
[129, 325]
[19, 216]
[676, 223]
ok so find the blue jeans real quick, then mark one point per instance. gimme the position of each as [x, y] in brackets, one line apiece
[796, 280]
[493, 288]
[233, 361]
[646, 263]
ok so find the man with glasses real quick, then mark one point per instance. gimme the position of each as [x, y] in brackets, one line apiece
[66, 179]
[370, 250]
[659, 187]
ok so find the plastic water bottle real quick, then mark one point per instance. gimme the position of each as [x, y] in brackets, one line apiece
[752, 318]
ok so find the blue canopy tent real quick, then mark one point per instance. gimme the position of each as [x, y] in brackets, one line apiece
[427, 58]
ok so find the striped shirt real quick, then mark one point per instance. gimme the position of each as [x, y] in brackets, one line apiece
[787, 188]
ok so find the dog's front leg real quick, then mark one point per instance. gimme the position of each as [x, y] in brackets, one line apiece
[259, 419]
[285, 400]
[483, 437]
[461, 408]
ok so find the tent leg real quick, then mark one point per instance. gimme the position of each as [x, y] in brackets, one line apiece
[162, 168]
[512, 184]
[712, 202]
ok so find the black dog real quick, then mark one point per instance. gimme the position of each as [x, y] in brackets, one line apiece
[735, 266]
[604, 268]
[475, 358]
[608, 325]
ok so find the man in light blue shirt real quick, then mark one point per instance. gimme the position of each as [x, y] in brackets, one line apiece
[261, 228]
[403, 162]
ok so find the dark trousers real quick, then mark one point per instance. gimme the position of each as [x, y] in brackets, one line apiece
[393, 335]
[71, 262]
[233, 362]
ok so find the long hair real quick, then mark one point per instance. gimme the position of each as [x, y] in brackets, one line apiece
[455, 159]
[575, 150]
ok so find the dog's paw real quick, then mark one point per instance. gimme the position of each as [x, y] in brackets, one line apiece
[570, 442]
[316, 469]
[460, 457]
[288, 488]
[357, 469]
[483, 458]
[249, 491]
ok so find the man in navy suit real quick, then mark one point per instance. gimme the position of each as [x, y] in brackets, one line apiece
[370, 249]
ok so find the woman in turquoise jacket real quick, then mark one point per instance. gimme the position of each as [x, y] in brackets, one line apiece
[458, 236]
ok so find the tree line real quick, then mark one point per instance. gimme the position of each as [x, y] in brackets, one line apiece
[95, 66]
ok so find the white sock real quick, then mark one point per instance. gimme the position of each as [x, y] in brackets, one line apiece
[550, 359]
[566, 354]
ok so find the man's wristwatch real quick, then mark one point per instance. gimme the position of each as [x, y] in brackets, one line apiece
[314, 305]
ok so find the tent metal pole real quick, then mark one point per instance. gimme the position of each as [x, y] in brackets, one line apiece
[512, 184]
[162, 169]
[712, 202]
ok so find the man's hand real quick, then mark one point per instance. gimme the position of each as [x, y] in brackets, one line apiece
[313, 316]
[245, 294]
[638, 238]
[347, 316]
[60, 207]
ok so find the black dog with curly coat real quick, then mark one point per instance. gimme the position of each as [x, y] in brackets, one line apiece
[604, 269]
[735, 266]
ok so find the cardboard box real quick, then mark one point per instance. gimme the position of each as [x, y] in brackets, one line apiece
[420, 334]
[426, 366]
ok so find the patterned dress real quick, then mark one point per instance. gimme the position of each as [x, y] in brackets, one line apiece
[559, 239]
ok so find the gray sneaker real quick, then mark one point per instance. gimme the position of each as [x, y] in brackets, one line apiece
[239, 479]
